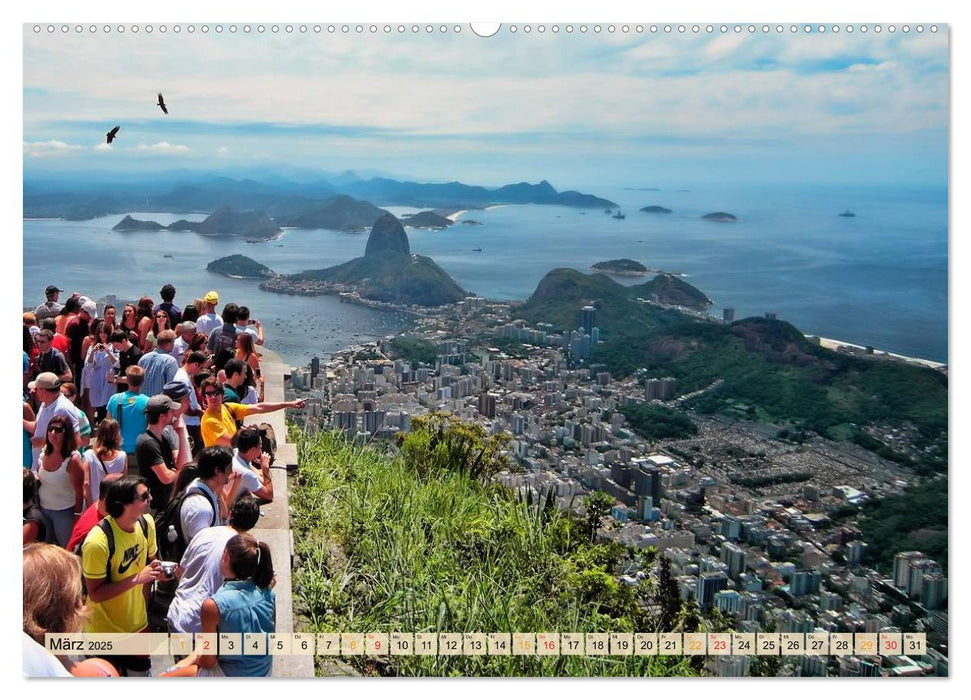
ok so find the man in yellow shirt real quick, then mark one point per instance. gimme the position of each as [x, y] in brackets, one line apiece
[219, 421]
[119, 563]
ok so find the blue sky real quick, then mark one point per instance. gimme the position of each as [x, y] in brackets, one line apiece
[577, 109]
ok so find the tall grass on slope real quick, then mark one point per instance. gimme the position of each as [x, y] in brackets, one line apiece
[386, 546]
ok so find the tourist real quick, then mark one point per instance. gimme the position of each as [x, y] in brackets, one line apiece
[159, 365]
[72, 307]
[128, 356]
[176, 431]
[192, 413]
[234, 384]
[76, 330]
[58, 468]
[145, 321]
[193, 311]
[220, 419]
[50, 359]
[209, 320]
[129, 322]
[200, 572]
[245, 603]
[53, 603]
[253, 328]
[110, 315]
[35, 528]
[157, 462]
[172, 311]
[99, 364]
[53, 403]
[213, 472]
[249, 452]
[59, 341]
[106, 458]
[128, 408]
[186, 332]
[118, 572]
[246, 351]
[51, 307]
[222, 340]
[29, 417]
[162, 322]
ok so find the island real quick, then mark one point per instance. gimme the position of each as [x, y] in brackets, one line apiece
[251, 225]
[339, 213]
[721, 217]
[427, 219]
[623, 266]
[130, 224]
[470, 222]
[388, 273]
[240, 267]
[656, 209]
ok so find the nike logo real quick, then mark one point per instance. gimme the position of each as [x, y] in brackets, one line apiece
[128, 558]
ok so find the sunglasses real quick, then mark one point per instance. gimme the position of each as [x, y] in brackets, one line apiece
[147, 496]
[212, 393]
[56, 429]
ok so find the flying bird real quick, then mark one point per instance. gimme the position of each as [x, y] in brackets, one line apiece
[161, 103]
[113, 133]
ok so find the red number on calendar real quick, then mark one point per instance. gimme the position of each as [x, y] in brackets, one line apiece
[720, 645]
[892, 644]
[205, 645]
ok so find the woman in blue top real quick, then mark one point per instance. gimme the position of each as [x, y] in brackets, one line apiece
[244, 603]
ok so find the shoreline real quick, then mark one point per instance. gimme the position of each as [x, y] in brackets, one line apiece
[833, 344]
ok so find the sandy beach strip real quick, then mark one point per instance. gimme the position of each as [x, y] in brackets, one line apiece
[454, 216]
[832, 344]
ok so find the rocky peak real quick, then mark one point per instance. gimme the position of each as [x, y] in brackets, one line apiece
[387, 234]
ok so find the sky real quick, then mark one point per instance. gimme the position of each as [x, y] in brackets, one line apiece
[575, 108]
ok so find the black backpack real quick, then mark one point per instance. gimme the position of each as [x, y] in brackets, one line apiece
[223, 347]
[171, 515]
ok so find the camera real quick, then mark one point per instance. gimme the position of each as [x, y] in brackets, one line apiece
[168, 568]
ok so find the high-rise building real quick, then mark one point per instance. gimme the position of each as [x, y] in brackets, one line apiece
[588, 319]
[314, 367]
[854, 552]
[709, 583]
[919, 568]
[901, 567]
[734, 556]
[805, 582]
[728, 315]
[373, 421]
[487, 404]
[728, 601]
[934, 591]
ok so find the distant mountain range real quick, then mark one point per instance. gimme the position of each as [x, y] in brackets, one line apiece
[289, 203]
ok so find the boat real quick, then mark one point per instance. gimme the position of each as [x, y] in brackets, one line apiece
[618, 215]
[477, 250]
[848, 214]
[168, 256]
[608, 211]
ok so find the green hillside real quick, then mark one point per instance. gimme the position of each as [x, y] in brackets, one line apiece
[424, 542]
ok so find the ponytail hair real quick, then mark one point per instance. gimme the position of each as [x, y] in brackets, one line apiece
[250, 559]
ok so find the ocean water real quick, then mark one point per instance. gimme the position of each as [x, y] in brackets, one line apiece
[878, 279]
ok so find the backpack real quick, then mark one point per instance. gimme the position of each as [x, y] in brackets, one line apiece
[172, 515]
[110, 536]
[223, 346]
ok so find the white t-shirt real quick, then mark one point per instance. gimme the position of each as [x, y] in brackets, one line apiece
[40, 663]
[249, 480]
[197, 511]
[201, 579]
[98, 469]
[183, 376]
[208, 322]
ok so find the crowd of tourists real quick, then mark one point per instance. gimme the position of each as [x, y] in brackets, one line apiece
[143, 474]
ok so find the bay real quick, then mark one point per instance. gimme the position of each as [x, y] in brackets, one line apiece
[879, 278]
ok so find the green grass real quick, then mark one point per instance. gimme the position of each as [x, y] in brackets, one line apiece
[384, 547]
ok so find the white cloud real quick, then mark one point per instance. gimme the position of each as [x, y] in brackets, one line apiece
[43, 149]
[104, 147]
[222, 151]
[163, 147]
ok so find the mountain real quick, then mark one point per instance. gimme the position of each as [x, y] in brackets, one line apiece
[130, 224]
[668, 289]
[251, 225]
[389, 272]
[339, 213]
[427, 219]
[240, 267]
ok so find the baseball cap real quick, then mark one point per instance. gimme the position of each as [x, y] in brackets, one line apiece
[52, 288]
[212, 297]
[90, 308]
[45, 380]
[175, 390]
[161, 402]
